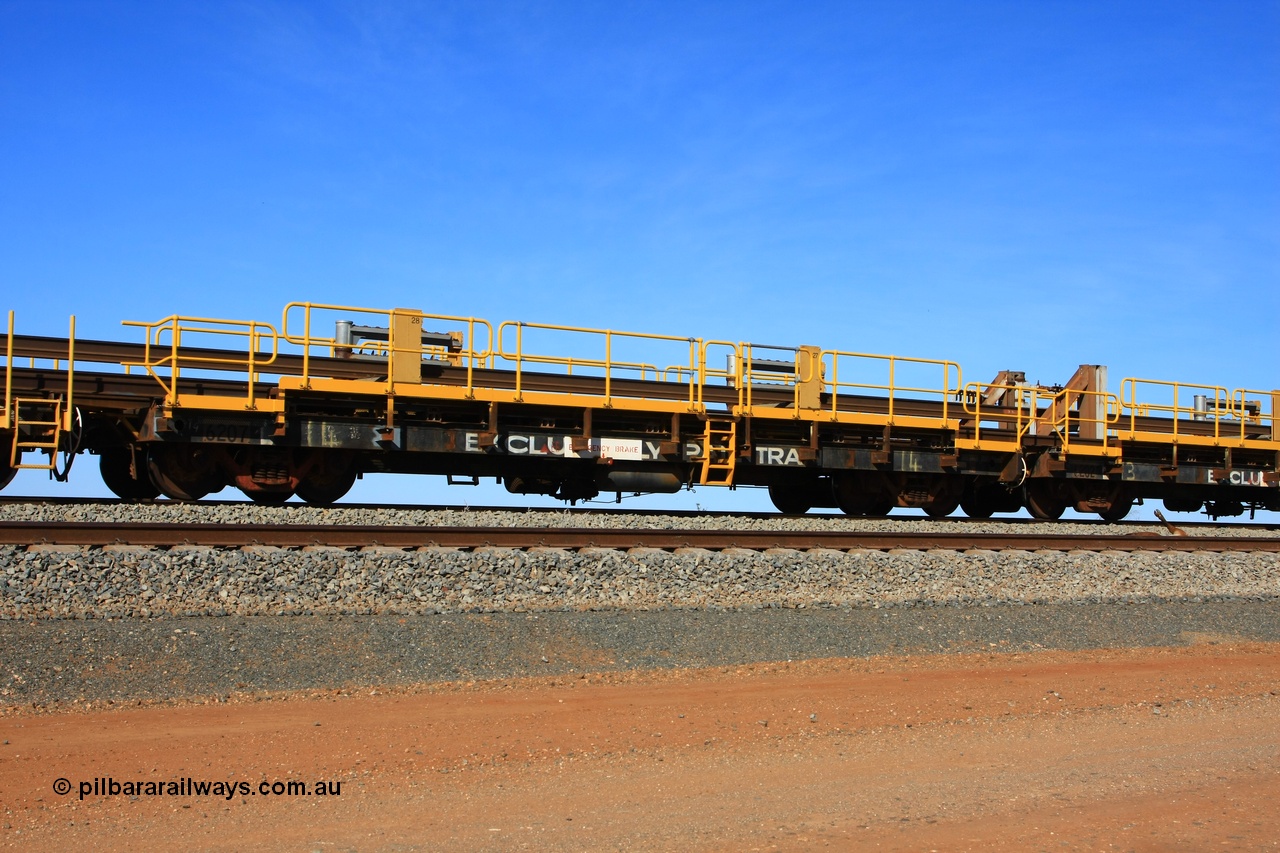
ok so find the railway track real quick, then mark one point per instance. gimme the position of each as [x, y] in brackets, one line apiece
[612, 511]
[90, 534]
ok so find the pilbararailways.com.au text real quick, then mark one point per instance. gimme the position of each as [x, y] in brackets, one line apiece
[229, 789]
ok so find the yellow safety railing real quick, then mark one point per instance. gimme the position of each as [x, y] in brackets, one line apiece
[1023, 414]
[1107, 404]
[748, 375]
[1032, 407]
[683, 372]
[159, 355]
[1179, 410]
[732, 374]
[1262, 410]
[606, 362]
[468, 355]
[1230, 412]
[1086, 420]
[752, 366]
[675, 374]
[890, 386]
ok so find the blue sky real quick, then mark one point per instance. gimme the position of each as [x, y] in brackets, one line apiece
[1008, 185]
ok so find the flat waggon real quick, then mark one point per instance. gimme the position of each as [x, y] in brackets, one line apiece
[306, 406]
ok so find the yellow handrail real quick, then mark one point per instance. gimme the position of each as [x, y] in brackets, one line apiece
[1221, 403]
[177, 325]
[746, 373]
[704, 373]
[1239, 404]
[469, 353]
[1025, 408]
[946, 392]
[813, 371]
[1110, 415]
[608, 364]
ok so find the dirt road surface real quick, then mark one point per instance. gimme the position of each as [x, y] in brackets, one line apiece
[1134, 750]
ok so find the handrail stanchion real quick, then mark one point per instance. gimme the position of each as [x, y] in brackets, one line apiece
[946, 389]
[608, 368]
[892, 373]
[1132, 403]
[306, 345]
[702, 375]
[173, 364]
[835, 385]
[977, 412]
[1027, 419]
[253, 351]
[519, 359]
[693, 363]
[742, 375]
[1177, 407]
[471, 358]
[71, 373]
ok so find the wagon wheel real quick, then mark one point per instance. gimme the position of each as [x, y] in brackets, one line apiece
[262, 498]
[1042, 503]
[789, 498]
[942, 506]
[183, 472]
[125, 479]
[854, 498]
[330, 477]
[1118, 509]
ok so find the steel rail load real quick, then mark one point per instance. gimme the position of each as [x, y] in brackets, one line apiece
[334, 392]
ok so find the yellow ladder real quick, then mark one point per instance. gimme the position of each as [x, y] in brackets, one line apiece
[719, 451]
[41, 419]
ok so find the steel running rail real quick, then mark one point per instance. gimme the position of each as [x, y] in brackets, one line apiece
[404, 536]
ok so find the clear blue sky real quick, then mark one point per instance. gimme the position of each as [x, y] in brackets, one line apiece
[1027, 185]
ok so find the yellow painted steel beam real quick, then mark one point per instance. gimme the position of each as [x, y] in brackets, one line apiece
[218, 403]
[988, 445]
[1111, 452]
[484, 395]
[1198, 440]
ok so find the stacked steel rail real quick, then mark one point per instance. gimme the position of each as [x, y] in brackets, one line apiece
[334, 392]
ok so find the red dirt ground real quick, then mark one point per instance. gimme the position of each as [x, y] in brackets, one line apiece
[1143, 750]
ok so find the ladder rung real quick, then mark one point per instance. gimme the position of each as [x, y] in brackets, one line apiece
[40, 414]
[719, 461]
